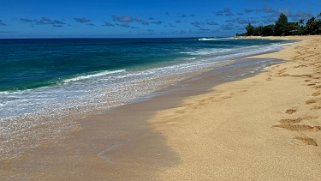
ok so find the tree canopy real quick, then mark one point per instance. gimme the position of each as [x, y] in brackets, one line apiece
[283, 27]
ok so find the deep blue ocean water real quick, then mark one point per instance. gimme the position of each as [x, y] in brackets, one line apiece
[32, 63]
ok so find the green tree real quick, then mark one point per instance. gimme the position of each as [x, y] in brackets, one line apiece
[301, 27]
[249, 30]
[268, 30]
[281, 26]
[258, 31]
[318, 26]
[311, 26]
[293, 28]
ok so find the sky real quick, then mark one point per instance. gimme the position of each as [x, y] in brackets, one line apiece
[143, 18]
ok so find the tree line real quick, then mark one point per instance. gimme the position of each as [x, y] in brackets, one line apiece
[283, 27]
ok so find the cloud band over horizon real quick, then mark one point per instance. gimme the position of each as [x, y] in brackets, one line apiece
[204, 18]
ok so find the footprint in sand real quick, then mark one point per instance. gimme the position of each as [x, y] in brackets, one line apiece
[316, 94]
[180, 111]
[282, 70]
[284, 75]
[268, 79]
[311, 101]
[316, 108]
[291, 111]
[291, 121]
[299, 66]
[281, 73]
[203, 102]
[226, 97]
[297, 120]
[298, 127]
[305, 141]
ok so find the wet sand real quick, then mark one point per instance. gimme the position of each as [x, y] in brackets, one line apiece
[264, 127]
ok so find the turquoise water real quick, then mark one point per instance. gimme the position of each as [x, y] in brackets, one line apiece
[38, 76]
[33, 63]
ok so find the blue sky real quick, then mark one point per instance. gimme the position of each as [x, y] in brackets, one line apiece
[143, 18]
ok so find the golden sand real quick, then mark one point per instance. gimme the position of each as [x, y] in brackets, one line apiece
[265, 127]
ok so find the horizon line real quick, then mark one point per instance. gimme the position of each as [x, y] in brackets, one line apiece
[26, 38]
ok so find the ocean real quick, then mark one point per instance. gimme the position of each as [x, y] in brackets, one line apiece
[43, 80]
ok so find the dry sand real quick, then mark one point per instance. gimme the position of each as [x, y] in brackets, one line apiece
[265, 127]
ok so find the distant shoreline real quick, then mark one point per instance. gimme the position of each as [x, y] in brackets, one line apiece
[301, 37]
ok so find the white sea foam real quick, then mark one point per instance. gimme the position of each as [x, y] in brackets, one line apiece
[81, 87]
[23, 110]
[4, 92]
[221, 52]
[99, 74]
[214, 39]
[208, 39]
[85, 87]
[207, 51]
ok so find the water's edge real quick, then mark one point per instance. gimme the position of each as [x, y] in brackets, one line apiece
[28, 137]
[122, 137]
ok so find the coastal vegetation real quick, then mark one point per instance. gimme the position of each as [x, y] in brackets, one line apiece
[282, 27]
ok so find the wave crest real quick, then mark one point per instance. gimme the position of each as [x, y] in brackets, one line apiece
[99, 74]
[208, 39]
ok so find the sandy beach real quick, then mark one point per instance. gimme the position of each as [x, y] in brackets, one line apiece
[262, 127]
[265, 127]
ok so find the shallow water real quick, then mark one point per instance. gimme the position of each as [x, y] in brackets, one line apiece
[40, 75]
[43, 82]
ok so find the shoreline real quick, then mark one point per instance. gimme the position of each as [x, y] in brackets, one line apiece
[63, 114]
[139, 112]
[170, 138]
